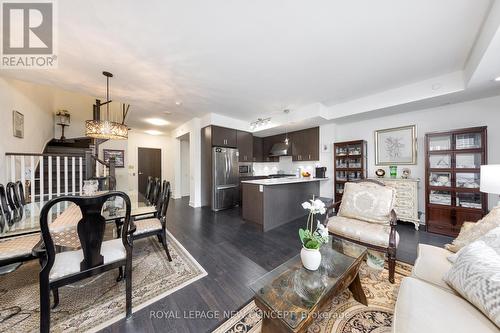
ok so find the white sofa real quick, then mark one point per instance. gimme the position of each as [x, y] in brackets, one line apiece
[426, 304]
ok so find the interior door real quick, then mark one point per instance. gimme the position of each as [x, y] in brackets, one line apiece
[149, 164]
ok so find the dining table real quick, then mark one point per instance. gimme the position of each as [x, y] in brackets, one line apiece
[64, 217]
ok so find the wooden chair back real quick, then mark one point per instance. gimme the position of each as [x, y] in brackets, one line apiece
[90, 228]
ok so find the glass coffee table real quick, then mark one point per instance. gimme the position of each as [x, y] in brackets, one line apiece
[290, 296]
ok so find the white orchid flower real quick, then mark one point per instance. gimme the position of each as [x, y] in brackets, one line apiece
[306, 205]
[322, 230]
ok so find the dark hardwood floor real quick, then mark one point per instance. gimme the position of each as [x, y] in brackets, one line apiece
[234, 254]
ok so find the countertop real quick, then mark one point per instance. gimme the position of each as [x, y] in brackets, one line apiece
[282, 181]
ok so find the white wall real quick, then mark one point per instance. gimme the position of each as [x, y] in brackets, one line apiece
[469, 114]
[193, 128]
[36, 103]
[185, 168]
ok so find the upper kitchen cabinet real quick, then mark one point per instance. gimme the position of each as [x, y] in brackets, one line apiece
[267, 144]
[224, 137]
[305, 144]
[258, 155]
[245, 146]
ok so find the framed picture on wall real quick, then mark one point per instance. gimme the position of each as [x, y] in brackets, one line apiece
[119, 156]
[395, 146]
[18, 124]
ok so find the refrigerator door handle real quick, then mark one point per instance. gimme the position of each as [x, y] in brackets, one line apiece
[225, 187]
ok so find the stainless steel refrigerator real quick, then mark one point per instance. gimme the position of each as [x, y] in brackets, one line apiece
[225, 178]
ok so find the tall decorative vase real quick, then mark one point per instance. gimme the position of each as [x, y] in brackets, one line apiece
[393, 171]
[311, 259]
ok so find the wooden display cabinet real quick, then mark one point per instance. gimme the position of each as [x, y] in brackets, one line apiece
[452, 173]
[349, 164]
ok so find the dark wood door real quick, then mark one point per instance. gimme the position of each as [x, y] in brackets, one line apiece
[245, 146]
[224, 137]
[298, 145]
[149, 164]
[257, 149]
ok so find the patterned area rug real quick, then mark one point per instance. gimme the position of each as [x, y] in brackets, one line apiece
[343, 314]
[99, 301]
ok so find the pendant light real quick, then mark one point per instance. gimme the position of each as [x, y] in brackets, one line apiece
[106, 129]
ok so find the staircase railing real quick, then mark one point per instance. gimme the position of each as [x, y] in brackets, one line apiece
[93, 166]
[67, 179]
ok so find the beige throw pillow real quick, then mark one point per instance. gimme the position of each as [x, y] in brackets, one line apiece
[470, 233]
[367, 202]
[476, 274]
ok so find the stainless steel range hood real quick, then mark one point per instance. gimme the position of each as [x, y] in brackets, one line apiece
[280, 149]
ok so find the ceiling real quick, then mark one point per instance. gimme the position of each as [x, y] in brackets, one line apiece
[245, 59]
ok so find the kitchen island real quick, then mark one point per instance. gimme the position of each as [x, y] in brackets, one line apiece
[274, 202]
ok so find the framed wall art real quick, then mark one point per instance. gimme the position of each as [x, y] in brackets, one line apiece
[119, 156]
[395, 146]
[18, 124]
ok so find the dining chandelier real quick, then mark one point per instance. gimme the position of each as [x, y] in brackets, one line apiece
[106, 129]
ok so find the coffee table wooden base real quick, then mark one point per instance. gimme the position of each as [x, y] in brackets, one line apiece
[351, 280]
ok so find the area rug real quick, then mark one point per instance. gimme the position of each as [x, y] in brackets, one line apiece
[97, 302]
[343, 314]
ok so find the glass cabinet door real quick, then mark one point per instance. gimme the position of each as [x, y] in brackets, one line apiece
[440, 197]
[440, 142]
[468, 160]
[469, 200]
[440, 161]
[467, 179]
[440, 179]
[355, 150]
[468, 141]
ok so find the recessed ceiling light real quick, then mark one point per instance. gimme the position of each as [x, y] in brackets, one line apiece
[497, 79]
[153, 132]
[178, 103]
[157, 121]
[167, 112]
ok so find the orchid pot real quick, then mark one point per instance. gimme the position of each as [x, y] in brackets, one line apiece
[311, 258]
[312, 237]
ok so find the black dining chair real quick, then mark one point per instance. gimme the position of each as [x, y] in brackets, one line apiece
[156, 192]
[156, 225]
[12, 198]
[95, 257]
[5, 213]
[19, 187]
[149, 184]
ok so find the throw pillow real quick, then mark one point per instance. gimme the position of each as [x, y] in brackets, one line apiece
[476, 274]
[367, 202]
[470, 233]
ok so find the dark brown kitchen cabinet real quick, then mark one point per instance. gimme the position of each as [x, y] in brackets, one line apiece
[267, 144]
[224, 137]
[245, 146]
[257, 149]
[305, 144]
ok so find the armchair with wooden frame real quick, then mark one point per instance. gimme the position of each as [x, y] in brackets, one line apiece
[366, 216]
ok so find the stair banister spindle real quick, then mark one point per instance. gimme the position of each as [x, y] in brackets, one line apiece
[73, 175]
[13, 168]
[49, 178]
[58, 176]
[81, 174]
[41, 179]
[32, 178]
[65, 175]
[23, 172]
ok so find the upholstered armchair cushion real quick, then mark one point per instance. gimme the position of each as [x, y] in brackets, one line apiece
[67, 263]
[147, 225]
[367, 202]
[372, 233]
[431, 265]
